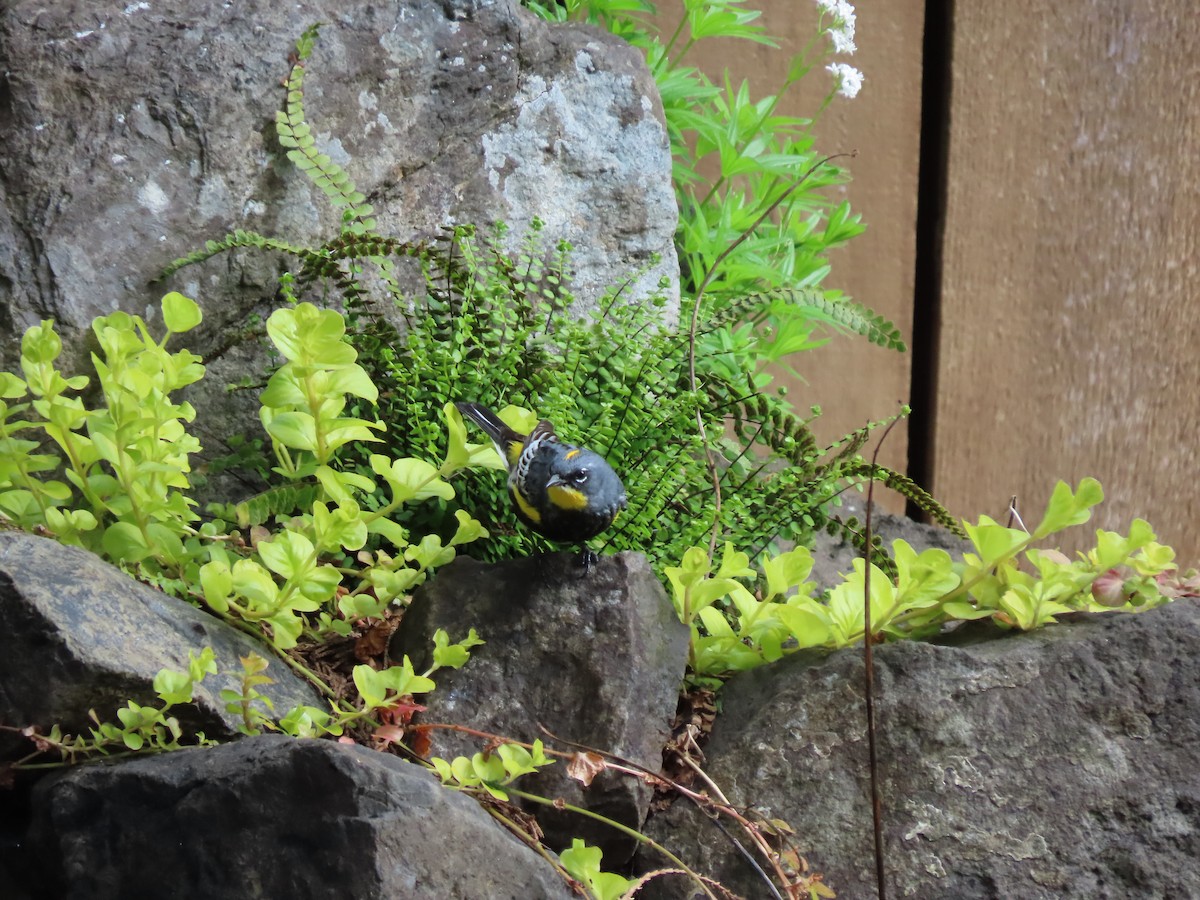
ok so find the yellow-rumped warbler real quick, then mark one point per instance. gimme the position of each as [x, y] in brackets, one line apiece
[568, 494]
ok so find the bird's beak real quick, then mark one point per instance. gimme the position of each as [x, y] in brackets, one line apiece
[554, 481]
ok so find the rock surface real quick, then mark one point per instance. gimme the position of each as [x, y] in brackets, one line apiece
[131, 133]
[597, 659]
[1060, 763]
[79, 634]
[275, 817]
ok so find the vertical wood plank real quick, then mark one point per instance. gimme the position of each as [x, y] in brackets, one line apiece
[1070, 326]
[850, 379]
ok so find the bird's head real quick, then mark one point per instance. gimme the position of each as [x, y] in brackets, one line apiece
[582, 479]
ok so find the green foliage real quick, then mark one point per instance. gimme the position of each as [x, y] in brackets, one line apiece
[123, 465]
[249, 703]
[150, 729]
[742, 617]
[303, 413]
[494, 771]
[494, 326]
[234, 240]
[138, 728]
[583, 864]
[124, 485]
[295, 134]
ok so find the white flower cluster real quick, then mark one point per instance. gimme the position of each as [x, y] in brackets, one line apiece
[841, 32]
[849, 79]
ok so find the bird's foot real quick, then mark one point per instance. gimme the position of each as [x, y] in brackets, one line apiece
[587, 559]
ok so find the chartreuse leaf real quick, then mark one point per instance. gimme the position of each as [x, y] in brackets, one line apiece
[180, 313]
[807, 621]
[289, 554]
[786, 570]
[922, 580]
[453, 656]
[846, 604]
[583, 864]
[518, 418]
[468, 530]
[995, 542]
[339, 527]
[410, 479]
[1067, 507]
[309, 721]
[123, 540]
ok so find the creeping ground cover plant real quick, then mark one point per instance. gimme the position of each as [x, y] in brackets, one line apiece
[116, 477]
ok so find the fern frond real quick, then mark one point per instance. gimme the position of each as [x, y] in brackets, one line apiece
[234, 239]
[261, 508]
[902, 484]
[295, 134]
[823, 306]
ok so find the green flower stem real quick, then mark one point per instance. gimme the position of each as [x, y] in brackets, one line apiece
[315, 402]
[671, 43]
[301, 669]
[241, 622]
[284, 457]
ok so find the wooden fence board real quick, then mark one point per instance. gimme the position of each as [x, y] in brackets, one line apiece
[1070, 326]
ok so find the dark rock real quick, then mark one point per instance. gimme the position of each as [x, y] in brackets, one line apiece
[131, 133]
[273, 816]
[1060, 763]
[80, 634]
[595, 658]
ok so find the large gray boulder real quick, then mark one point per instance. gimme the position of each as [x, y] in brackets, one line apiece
[1060, 763]
[79, 634]
[274, 817]
[131, 133]
[596, 658]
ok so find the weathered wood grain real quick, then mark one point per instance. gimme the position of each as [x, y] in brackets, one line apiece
[1070, 325]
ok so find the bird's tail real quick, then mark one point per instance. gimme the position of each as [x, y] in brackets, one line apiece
[508, 442]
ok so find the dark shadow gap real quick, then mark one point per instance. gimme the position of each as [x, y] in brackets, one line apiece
[931, 210]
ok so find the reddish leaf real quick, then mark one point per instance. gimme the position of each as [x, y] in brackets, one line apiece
[1109, 589]
[386, 735]
[401, 711]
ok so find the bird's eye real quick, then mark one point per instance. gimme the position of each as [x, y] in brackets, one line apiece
[581, 476]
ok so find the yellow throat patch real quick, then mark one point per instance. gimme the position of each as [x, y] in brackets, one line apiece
[566, 497]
